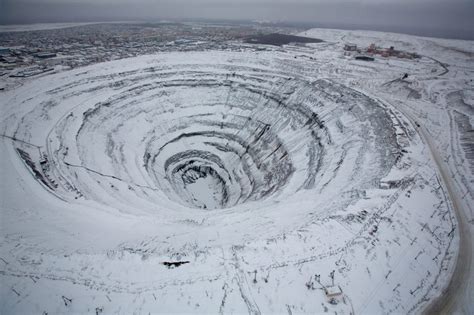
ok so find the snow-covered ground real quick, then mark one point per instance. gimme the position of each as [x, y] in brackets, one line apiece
[230, 182]
[440, 99]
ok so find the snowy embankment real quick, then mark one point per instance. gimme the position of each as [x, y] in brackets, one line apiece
[438, 95]
[220, 182]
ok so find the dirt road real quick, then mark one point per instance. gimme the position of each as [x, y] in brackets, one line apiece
[455, 297]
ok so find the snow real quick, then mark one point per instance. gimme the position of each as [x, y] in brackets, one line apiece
[265, 171]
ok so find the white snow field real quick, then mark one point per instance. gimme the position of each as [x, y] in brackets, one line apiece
[239, 182]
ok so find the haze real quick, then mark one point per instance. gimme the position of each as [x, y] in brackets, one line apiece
[443, 18]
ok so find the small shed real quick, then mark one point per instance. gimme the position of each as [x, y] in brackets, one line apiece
[333, 291]
[350, 47]
[390, 184]
[4, 51]
[364, 58]
[45, 55]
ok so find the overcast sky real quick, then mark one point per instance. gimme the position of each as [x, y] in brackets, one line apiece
[453, 17]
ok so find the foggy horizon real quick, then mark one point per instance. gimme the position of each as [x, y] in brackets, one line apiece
[436, 18]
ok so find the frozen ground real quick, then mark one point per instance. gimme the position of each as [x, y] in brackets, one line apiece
[230, 182]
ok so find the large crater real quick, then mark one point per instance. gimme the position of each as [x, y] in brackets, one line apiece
[217, 182]
[212, 140]
[208, 135]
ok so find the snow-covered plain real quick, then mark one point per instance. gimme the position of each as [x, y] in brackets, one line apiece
[262, 172]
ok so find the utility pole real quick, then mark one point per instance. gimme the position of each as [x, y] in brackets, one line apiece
[332, 276]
